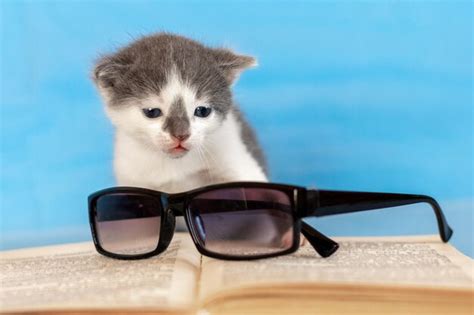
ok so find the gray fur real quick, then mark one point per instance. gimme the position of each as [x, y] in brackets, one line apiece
[177, 122]
[141, 68]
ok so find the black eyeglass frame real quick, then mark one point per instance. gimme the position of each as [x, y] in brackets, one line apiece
[304, 203]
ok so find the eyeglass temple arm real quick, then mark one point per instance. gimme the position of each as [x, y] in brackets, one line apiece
[322, 244]
[329, 202]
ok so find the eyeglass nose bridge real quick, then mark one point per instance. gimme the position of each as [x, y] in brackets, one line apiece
[168, 222]
[172, 208]
[176, 204]
[167, 229]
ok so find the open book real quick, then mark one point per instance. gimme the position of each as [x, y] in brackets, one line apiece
[367, 275]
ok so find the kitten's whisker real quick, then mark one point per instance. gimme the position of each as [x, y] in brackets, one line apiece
[209, 154]
[202, 154]
[206, 168]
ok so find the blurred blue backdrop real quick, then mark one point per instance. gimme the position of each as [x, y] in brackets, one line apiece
[370, 96]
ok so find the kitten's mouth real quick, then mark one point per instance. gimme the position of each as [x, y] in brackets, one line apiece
[178, 150]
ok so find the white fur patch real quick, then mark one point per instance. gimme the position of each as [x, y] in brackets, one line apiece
[222, 158]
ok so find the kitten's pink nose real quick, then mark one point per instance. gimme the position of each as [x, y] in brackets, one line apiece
[182, 137]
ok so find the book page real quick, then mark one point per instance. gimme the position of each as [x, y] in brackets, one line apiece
[423, 262]
[76, 277]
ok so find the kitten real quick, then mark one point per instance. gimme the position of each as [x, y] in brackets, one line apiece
[177, 126]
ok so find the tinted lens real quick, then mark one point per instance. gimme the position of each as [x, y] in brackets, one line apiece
[128, 224]
[243, 221]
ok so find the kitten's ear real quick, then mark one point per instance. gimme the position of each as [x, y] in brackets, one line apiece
[108, 72]
[232, 64]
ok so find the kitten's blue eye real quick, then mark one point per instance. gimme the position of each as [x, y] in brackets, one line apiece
[152, 112]
[202, 111]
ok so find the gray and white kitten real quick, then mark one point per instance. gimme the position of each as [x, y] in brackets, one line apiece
[177, 126]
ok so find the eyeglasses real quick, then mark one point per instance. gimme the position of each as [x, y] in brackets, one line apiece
[234, 221]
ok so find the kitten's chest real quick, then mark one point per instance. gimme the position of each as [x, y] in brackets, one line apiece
[174, 182]
[177, 184]
[166, 175]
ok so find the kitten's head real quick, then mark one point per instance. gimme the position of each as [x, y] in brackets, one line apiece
[167, 91]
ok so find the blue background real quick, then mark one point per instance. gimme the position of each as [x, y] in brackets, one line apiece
[370, 96]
